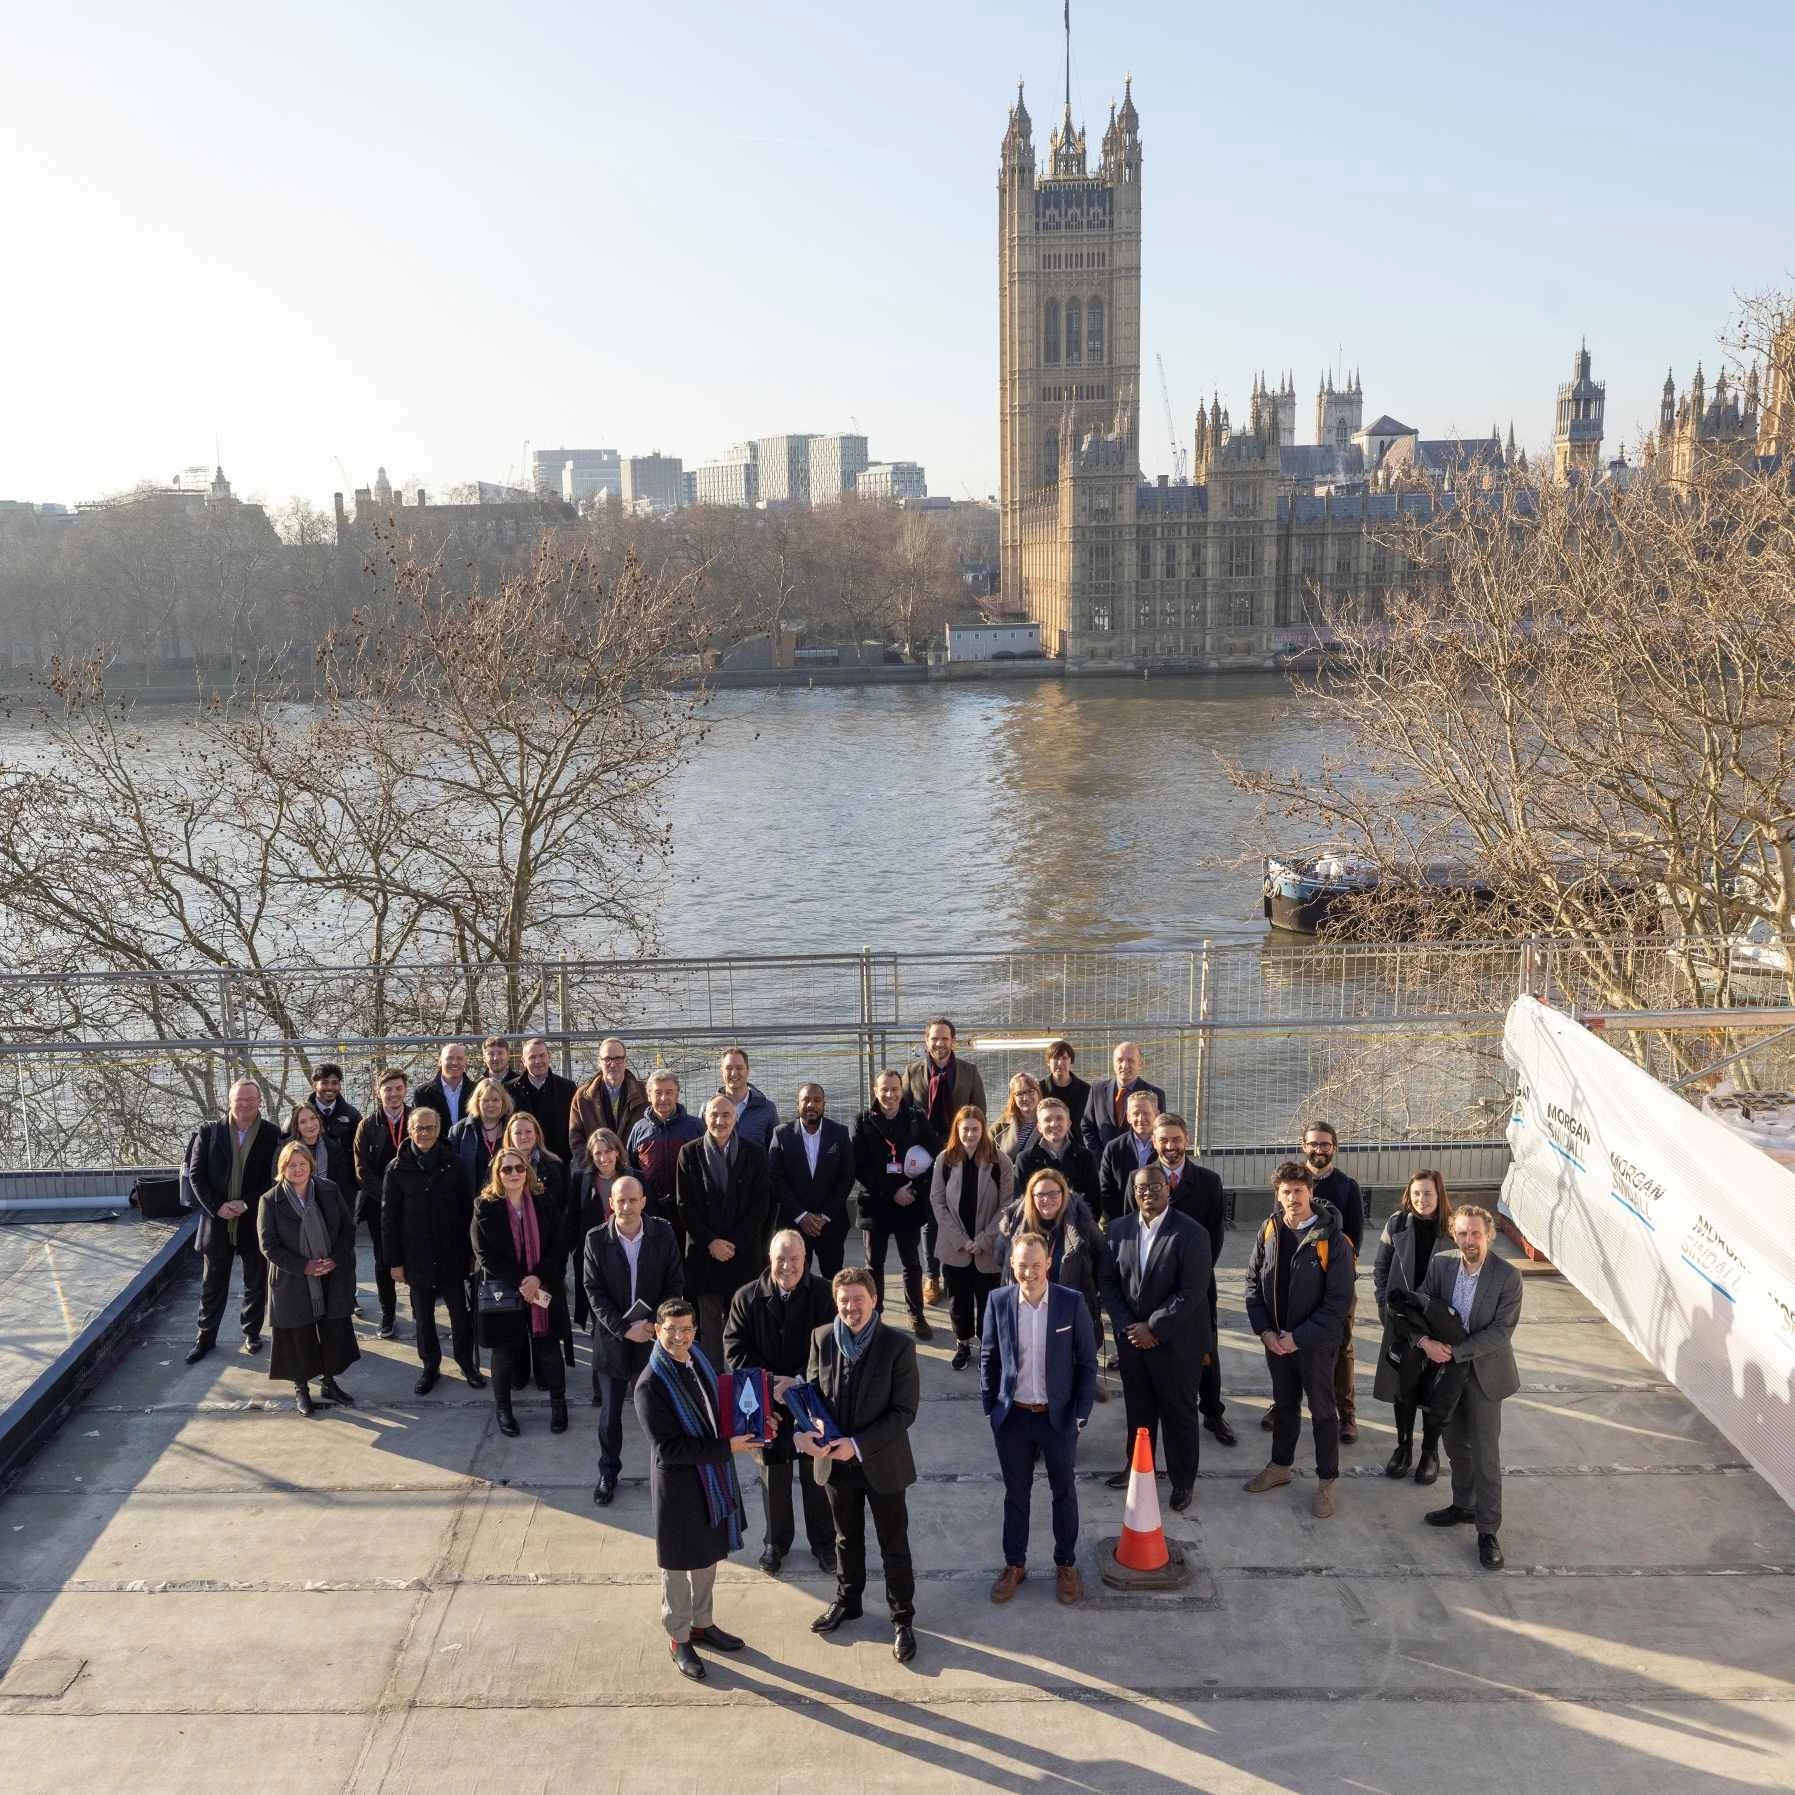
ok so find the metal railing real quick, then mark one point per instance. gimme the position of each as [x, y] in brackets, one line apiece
[1399, 1044]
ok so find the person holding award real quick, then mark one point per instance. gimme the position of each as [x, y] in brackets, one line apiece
[769, 1328]
[631, 1265]
[859, 1404]
[694, 1495]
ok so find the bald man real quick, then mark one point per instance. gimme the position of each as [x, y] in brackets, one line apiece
[1106, 1114]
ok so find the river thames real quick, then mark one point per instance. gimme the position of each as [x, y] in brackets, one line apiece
[1076, 813]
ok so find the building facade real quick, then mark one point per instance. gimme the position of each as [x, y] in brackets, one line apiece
[1577, 433]
[892, 480]
[731, 480]
[653, 483]
[835, 464]
[783, 468]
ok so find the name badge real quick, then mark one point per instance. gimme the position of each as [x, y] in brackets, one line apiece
[893, 1169]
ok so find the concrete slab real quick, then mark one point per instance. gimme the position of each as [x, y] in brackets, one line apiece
[407, 1601]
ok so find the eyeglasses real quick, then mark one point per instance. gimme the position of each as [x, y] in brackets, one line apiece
[506, 1171]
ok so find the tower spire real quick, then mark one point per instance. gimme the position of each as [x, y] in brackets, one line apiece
[1068, 19]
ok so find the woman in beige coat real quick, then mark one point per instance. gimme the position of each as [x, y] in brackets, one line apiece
[971, 1188]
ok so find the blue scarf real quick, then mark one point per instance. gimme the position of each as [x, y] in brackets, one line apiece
[853, 1345]
[722, 1494]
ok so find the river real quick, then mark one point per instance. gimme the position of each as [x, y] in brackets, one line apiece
[1077, 813]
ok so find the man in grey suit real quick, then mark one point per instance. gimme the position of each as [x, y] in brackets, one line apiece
[1485, 1293]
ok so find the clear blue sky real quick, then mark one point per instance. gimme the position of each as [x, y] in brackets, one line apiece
[331, 236]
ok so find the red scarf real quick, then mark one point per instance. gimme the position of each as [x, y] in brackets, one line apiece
[526, 1238]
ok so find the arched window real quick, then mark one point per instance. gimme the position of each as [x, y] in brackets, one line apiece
[1050, 335]
[1050, 458]
[1073, 344]
[1093, 327]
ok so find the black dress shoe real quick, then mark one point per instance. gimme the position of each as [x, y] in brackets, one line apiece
[508, 1423]
[1116, 1480]
[716, 1639]
[962, 1355]
[771, 1558]
[1180, 1501]
[903, 1644]
[921, 1328]
[252, 1342]
[557, 1414]
[474, 1380]
[200, 1349]
[427, 1380]
[388, 1328]
[1218, 1425]
[1399, 1460]
[604, 1492]
[332, 1391]
[302, 1400]
[1427, 1468]
[1489, 1552]
[686, 1661]
[1266, 1422]
[837, 1614]
[825, 1561]
[1450, 1516]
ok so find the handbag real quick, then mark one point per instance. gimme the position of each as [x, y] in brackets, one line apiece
[495, 1297]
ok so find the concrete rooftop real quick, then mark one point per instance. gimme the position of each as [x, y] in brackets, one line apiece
[200, 1590]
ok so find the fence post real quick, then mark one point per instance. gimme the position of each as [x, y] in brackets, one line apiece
[866, 1017]
[561, 1017]
[1205, 1049]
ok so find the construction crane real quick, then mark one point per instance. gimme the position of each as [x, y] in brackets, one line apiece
[1180, 462]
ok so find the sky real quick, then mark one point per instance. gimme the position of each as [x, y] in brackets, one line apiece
[316, 240]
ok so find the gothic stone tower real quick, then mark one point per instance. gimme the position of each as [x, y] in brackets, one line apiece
[1577, 437]
[1069, 311]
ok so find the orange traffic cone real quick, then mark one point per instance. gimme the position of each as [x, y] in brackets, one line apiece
[1142, 1546]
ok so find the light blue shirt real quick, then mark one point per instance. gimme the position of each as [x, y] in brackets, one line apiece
[1464, 1293]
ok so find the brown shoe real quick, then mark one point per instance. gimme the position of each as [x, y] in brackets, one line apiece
[1349, 1432]
[1068, 1585]
[1009, 1580]
[1323, 1505]
[1273, 1477]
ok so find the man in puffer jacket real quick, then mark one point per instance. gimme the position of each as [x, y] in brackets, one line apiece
[1299, 1287]
[654, 1143]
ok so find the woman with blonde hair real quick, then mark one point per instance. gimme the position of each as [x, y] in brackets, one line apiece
[1015, 1130]
[307, 1234]
[478, 1135]
[520, 1256]
[970, 1188]
[1421, 1226]
[1076, 1252]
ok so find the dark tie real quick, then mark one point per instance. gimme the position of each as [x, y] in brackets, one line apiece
[1121, 1102]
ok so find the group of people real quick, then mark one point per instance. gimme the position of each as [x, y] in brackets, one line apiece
[705, 1247]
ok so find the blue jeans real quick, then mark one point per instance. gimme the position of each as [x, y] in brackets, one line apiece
[1023, 1438]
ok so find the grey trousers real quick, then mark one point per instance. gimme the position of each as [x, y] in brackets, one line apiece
[1474, 1450]
[686, 1601]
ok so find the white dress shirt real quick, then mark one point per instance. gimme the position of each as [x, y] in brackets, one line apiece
[632, 1251]
[1031, 1343]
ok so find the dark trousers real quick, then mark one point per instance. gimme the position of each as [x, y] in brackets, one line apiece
[384, 1287]
[776, 1504]
[713, 1311]
[931, 1234]
[514, 1367]
[614, 1402]
[827, 1251]
[452, 1293]
[1435, 1397]
[1296, 1377]
[1209, 1385]
[1345, 1401]
[849, 1499]
[1474, 1450]
[219, 1254]
[908, 1242]
[1023, 1438]
[1158, 1388]
[967, 1288]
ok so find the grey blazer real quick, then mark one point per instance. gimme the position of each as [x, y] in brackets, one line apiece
[1488, 1345]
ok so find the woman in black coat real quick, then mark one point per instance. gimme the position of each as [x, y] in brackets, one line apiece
[307, 1234]
[520, 1246]
[1062, 1082]
[1421, 1226]
[606, 1162]
[524, 1132]
[1076, 1249]
[894, 1202]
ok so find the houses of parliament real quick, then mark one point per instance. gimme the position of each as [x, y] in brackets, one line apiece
[1237, 566]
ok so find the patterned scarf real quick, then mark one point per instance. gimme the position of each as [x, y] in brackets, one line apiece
[852, 1345]
[722, 1493]
[526, 1240]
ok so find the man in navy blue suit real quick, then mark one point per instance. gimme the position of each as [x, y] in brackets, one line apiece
[1106, 1114]
[1038, 1380]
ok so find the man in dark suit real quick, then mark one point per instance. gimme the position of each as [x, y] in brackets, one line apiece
[1106, 1114]
[1126, 1154]
[866, 1373]
[538, 1090]
[1156, 1289]
[810, 1169]
[378, 1138]
[629, 1265]
[769, 1328]
[940, 1085]
[1485, 1294]
[450, 1091]
[1037, 1381]
[229, 1165]
[720, 1185]
[1055, 1147]
[1197, 1192]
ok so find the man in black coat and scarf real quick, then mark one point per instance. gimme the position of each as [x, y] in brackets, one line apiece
[229, 1164]
[426, 1221]
[769, 1328]
[720, 1185]
[693, 1491]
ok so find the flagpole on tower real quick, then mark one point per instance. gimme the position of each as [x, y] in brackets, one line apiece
[1068, 19]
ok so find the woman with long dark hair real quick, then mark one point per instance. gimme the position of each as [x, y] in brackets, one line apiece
[1421, 1226]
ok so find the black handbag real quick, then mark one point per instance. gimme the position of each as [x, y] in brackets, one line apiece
[495, 1297]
